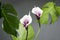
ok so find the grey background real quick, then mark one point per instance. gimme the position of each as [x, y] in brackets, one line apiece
[48, 31]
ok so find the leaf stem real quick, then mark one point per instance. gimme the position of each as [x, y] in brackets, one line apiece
[39, 23]
[27, 33]
[38, 30]
[37, 34]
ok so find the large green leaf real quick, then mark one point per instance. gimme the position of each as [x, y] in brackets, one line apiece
[48, 9]
[22, 33]
[11, 22]
[57, 10]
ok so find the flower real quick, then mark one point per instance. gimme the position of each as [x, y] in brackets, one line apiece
[37, 11]
[26, 20]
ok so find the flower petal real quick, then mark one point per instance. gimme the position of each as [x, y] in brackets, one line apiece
[26, 18]
[30, 18]
[23, 18]
[36, 10]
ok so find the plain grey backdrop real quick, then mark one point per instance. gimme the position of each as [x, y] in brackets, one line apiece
[48, 31]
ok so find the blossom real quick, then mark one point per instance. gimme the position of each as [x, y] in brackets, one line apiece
[26, 20]
[37, 11]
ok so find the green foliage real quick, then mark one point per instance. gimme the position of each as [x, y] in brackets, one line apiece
[57, 10]
[22, 33]
[49, 8]
[11, 21]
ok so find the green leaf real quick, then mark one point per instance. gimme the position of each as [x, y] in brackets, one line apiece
[53, 15]
[9, 9]
[48, 9]
[57, 10]
[22, 33]
[11, 21]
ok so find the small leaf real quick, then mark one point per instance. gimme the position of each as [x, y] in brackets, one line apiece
[48, 9]
[57, 10]
[22, 33]
[11, 21]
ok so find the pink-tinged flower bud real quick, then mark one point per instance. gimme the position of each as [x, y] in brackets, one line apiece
[26, 20]
[37, 11]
